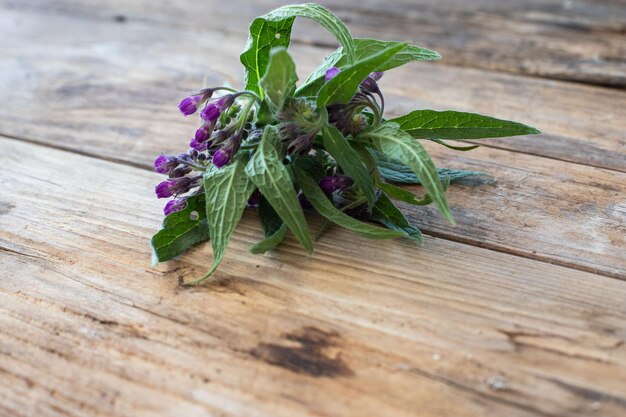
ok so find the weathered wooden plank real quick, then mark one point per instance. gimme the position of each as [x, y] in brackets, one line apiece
[579, 41]
[358, 328]
[123, 81]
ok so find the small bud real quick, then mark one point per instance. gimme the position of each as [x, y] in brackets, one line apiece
[174, 186]
[212, 111]
[220, 158]
[334, 183]
[331, 73]
[164, 163]
[175, 205]
[181, 171]
[189, 105]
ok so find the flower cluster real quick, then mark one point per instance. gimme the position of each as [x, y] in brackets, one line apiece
[225, 123]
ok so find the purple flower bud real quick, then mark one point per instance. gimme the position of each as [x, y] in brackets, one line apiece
[181, 171]
[334, 183]
[220, 158]
[197, 145]
[213, 110]
[376, 75]
[203, 133]
[174, 186]
[164, 163]
[189, 105]
[175, 205]
[331, 73]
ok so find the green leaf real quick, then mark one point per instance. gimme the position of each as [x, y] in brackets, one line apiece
[458, 125]
[322, 204]
[363, 48]
[227, 191]
[264, 35]
[268, 173]
[385, 213]
[181, 230]
[399, 146]
[349, 160]
[403, 195]
[315, 80]
[279, 81]
[321, 15]
[344, 85]
[275, 229]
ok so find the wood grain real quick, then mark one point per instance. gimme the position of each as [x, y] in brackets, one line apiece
[100, 99]
[581, 40]
[88, 328]
[121, 82]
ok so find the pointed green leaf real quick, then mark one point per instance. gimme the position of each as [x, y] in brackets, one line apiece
[315, 80]
[399, 146]
[275, 229]
[321, 15]
[457, 125]
[227, 191]
[322, 204]
[363, 48]
[279, 81]
[403, 195]
[344, 85]
[385, 213]
[349, 160]
[181, 230]
[268, 173]
[264, 35]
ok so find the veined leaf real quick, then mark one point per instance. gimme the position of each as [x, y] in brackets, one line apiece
[181, 231]
[458, 125]
[344, 85]
[279, 81]
[400, 146]
[385, 213]
[322, 204]
[227, 191]
[274, 29]
[364, 48]
[268, 173]
[321, 15]
[264, 35]
[275, 229]
[349, 161]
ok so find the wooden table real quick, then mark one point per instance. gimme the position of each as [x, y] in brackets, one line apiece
[519, 310]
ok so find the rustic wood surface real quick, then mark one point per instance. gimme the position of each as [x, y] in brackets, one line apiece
[519, 310]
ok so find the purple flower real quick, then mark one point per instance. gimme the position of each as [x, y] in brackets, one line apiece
[174, 186]
[175, 205]
[189, 105]
[220, 158]
[197, 145]
[164, 163]
[203, 133]
[213, 110]
[331, 73]
[334, 183]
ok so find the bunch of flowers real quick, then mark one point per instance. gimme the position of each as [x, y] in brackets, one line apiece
[323, 145]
